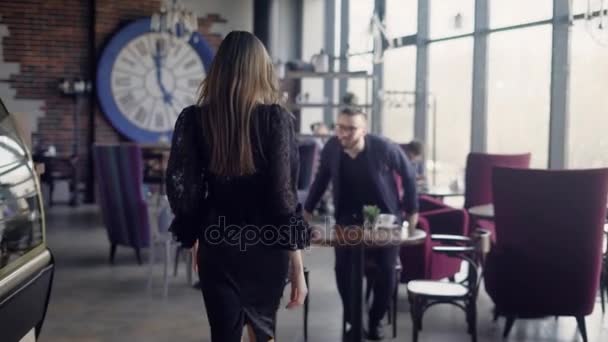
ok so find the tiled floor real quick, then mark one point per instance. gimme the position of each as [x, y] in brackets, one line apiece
[93, 301]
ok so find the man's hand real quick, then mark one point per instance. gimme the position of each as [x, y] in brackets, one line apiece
[413, 221]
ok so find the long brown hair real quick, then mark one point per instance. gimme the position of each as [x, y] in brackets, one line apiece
[241, 77]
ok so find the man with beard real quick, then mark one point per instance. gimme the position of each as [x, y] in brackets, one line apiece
[362, 168]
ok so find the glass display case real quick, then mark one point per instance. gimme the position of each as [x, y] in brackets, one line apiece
[26, 265]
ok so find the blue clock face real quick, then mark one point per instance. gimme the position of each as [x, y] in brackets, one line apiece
[145, 79]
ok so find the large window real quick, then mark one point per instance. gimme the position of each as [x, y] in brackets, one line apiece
[398, 97]
[588, 123]
[451, 18]
[360, 43]
[313, 37]
[519, 78]
[513, 12]
[359, 35]
[450, 82]
[584, 6]
[401, 17]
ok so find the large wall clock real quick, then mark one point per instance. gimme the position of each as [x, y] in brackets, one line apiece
[145, 79]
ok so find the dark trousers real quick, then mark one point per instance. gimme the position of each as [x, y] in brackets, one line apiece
[383, 260]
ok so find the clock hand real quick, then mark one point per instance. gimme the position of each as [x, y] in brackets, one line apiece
[158, 64]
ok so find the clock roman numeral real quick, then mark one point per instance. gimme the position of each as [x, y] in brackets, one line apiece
[128, 61]
[159, 121]
[123, 81]
[190, 64]
[141, 48]
[177, 49]
[193, 83]
[140, 116]
[127, 100]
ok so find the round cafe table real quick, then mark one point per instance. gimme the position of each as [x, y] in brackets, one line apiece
[359, 239]
[485, 211]
[441, 192]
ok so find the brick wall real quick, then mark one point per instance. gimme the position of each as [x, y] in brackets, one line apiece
[50, 40]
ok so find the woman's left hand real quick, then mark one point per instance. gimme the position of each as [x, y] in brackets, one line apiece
[299, 290]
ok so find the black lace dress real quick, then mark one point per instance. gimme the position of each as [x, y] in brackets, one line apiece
[246, 225]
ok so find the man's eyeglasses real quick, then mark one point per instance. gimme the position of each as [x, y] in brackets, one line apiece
[346, 129]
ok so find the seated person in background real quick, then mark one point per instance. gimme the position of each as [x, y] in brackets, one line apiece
[414, 151]
[320, 131]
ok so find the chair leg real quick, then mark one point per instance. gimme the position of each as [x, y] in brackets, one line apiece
[189, 268]
[395, 300]
[581, 327]
[151, 253]
[343, 325]
[51, 188]
[472, 320]
[138, 255]
[603, 289]
[306, 275]
[166, 268]
[508, 326]
[414, 312]
[73, 187]
[178, 250]
[394, 320]
[112, 253]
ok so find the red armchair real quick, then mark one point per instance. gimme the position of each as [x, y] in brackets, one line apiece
[478, 180]
[419, 262]
[547, 260]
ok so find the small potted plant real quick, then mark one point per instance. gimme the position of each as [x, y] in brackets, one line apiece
[370, 215]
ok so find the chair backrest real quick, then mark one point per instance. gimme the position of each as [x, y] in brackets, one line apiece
[549, 226]
[478, 174]
[119, 174]
[165, 215]
[309, 155]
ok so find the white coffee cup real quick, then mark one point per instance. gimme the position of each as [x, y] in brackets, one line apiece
[386, 221]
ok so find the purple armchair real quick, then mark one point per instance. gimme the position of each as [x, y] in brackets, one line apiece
[119, 173]
[309, 155]
[419, 261]
[547, 259]
[478, 180]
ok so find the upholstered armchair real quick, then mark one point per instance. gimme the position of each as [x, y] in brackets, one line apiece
[478, 180]
[119, 176]
[309, 155]
[419, 261]
[548, 255]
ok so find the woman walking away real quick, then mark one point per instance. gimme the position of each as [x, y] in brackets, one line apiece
[231, 182]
